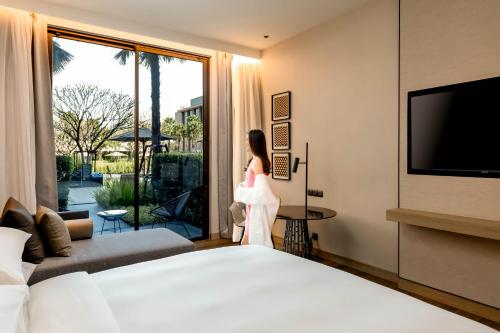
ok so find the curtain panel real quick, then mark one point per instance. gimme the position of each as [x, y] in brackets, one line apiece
[27, 160]
[247, 112]
[247, 115]
[46, 177]
[224, 143]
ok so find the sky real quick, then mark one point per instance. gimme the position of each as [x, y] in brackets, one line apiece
[92, 63]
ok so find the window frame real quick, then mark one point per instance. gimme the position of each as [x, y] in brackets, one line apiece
[137, 47]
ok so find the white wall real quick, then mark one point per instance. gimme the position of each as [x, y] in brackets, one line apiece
[343, 76]
[182, 40]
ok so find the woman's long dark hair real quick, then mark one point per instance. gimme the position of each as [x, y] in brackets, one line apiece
[257, 142]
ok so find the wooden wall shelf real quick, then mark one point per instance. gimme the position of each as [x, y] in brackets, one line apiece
[452, 223]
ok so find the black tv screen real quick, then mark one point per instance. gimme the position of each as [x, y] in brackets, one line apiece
[455, 130]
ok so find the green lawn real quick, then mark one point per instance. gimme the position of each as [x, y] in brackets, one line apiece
[115, 167]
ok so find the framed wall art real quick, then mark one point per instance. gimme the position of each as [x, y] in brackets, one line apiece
[281, 136]
[281, 106]
[281, 166]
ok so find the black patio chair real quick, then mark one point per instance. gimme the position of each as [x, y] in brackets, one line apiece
[171, 211]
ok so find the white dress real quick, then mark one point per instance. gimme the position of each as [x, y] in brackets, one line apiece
[263, 207]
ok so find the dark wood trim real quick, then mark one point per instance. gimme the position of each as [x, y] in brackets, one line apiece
[122, 43]
[89, 38]
[206, 146]
[136, 141]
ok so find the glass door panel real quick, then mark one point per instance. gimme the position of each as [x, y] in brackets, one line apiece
[171, 184]
[93, 111]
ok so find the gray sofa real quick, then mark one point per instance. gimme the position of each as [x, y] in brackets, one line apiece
[110, 251]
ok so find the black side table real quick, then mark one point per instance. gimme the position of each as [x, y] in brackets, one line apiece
[297, 240]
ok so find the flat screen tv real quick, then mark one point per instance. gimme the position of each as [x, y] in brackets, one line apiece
[455, 130]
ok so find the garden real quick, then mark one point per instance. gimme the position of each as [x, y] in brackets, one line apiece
[172, 174]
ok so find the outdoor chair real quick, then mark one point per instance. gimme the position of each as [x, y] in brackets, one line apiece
[171, 211]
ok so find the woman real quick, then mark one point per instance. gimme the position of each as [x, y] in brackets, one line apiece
[255, 192]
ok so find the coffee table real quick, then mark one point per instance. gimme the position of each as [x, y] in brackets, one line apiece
[114, 216]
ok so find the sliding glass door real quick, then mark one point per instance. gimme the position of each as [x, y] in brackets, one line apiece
[131, 128]
[171, 134]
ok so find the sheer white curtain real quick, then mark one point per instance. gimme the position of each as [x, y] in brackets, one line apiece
[17, 119]
[247, 110]
[22, 106]
[247, 115]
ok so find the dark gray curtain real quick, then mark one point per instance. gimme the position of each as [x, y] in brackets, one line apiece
[224, 144]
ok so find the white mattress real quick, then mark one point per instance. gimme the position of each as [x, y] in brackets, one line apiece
[251, 289]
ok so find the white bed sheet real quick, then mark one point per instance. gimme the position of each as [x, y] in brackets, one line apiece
[70, 303]
[257, 289]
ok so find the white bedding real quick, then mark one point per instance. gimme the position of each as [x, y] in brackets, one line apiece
[69, 303]
[248, 289]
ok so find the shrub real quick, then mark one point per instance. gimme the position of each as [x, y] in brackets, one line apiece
[176, 172]
[173, 157]
[115, 194]
[144, 217]
[118, 193]
[64, 165]
[115, 167]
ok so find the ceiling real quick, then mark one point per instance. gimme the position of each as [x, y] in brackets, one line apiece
[240, 22]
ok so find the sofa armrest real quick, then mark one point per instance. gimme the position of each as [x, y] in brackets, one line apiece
[74, 215]
[80, 229]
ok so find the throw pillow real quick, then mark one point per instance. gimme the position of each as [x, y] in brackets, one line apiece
[16, 216]
[54, 232]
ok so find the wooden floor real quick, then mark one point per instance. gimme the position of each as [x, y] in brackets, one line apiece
[210, 244]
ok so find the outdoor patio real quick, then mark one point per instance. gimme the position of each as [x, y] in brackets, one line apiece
[81, 198]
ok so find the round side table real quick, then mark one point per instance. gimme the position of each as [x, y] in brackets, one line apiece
[297, 240]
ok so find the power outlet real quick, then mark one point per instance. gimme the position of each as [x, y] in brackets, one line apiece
[315, 236]
[315, 193]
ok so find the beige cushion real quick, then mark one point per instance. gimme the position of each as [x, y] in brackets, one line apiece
[80, 229]
[54, 232]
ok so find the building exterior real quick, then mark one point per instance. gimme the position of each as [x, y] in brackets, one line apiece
[195, 109]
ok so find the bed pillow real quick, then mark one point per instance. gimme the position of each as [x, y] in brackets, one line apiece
[54, 232]
[16, 216]
[12, 245]
[28, 269]
[14, 309]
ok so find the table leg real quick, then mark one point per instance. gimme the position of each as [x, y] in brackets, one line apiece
[102, 228]
[297, 239]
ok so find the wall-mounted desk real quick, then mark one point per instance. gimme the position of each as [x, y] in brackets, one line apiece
[452, 223]
[452, 259]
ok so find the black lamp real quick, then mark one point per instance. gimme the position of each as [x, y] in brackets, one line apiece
[296, 163]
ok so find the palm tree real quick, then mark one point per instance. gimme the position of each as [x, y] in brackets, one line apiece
[60, 58]
[152, 62]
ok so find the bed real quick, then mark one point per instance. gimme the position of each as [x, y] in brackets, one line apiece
[232, 289]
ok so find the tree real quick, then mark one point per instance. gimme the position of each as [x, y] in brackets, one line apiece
[60, 58]
[168, 125]
[152, 62]
[194, 130]
[64, 145]
[89, 115]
